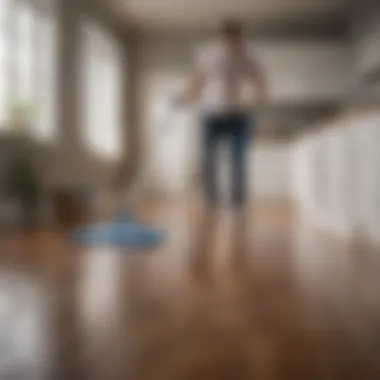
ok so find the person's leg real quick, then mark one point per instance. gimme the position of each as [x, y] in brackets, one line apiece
[240, 135]
[211, 129]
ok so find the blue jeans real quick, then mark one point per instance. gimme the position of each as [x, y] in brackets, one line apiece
[236, 130]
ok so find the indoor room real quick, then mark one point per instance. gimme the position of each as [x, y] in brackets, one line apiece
[189, 189]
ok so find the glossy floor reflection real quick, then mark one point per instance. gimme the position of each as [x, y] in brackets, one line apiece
[255, 295]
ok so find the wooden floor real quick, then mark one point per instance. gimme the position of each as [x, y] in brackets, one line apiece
[255, 296]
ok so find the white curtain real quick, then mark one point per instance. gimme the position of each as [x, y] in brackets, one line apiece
[4, 7]
[28, 53]
[46, 76]
[25, 25]
[102, 92]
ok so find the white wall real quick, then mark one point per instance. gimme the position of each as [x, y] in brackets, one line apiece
[365, 135]
[311, 70]
[296, 71]
[322, 178]
[344, 195]
[271, 171]
[169, 139]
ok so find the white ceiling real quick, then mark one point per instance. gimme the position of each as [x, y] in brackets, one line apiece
[202, 14]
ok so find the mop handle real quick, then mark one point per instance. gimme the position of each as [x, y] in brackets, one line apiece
[166, 123]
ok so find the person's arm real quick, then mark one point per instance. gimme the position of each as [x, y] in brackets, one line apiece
[194, 88]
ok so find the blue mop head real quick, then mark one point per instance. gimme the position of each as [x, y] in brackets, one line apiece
[124, 234]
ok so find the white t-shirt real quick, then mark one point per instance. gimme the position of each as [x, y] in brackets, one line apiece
[228, 85]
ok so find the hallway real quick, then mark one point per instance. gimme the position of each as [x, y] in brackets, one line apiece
[292, 303]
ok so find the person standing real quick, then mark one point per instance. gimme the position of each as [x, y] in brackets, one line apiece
[230, 85]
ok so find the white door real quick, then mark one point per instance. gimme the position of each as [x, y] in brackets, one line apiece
[170, 137]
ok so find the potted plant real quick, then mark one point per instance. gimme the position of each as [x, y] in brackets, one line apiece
[26, 188]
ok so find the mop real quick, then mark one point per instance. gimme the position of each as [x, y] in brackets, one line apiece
[125, 230]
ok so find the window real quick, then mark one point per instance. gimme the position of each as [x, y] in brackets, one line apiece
[46, 77]
[25, 26]
[28, 50]
[102, 92]
[4, 7]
